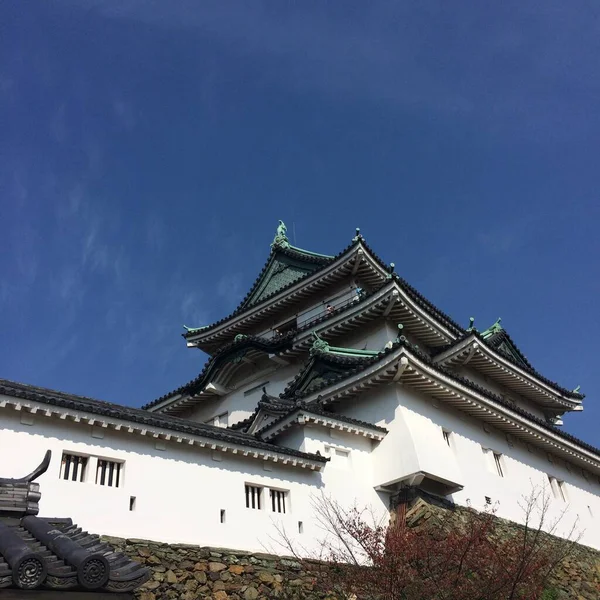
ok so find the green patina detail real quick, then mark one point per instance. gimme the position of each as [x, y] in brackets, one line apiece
[194, 329]
[495, 328]
[309, 253]
[282, 269]
[319, 345]
[508, 349]
[357, 236]
[239, 337]
[280, 240]
[576, 390]
[471, 326]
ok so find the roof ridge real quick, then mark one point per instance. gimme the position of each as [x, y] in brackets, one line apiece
[137, 415]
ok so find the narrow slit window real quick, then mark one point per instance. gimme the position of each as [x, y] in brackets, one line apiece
[278, 498]
[253, 497]
[222, 515]
[300, 527]
[446, 435]
[498, 463]
[558, 488]
[72, 467]
[132, 500]
[108, 473]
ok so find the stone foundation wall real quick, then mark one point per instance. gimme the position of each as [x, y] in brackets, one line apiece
[189, 572]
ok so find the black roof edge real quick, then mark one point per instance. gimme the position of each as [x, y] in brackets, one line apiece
[402, 342]
[525, 367]
[315, 409]
[142, 417]
[243, 341]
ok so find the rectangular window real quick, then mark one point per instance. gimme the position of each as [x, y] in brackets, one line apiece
[253, 496]
[446, 435]
[222, 515]
[498, 463]
[558, 488]
[494, 461]
[278, 498]
[108, 473]
[72, 467]
[131, 503]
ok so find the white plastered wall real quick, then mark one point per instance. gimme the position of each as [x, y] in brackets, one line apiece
[179, 491]
[415, 441]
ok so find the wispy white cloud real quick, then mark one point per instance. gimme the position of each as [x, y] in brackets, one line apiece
[229, 288]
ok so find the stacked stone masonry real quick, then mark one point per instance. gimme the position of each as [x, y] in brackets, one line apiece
[188, 572]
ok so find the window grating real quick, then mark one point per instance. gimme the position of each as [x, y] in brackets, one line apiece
[278, 501]
[253, 496]
[108, 473]
[72, 467]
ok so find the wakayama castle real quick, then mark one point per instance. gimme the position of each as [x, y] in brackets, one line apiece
[333, 376]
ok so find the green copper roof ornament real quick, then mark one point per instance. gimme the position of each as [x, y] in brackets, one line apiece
[319, 345]
[194, 329]
[280, 240]
[495, 328]
[357, 236]
[239, 337]
[391, 270]
[576, 390]
[471, 326]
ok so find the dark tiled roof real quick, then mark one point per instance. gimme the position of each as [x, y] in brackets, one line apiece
[142, 417]
[54, 553]
[284, 267]
[357, 368]
[320, 261]
[497, 340]
[417, 296]
[314, 408]
[244, 342]
[324, 369]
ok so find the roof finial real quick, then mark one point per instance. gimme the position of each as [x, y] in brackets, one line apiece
[357, 236]
[576, 390]
[391, 268]
[471, 324]
[319, 345]
[280, 239]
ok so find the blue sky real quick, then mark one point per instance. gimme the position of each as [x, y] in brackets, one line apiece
[147, 150]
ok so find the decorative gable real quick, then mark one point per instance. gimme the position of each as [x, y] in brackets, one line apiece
[281, 271]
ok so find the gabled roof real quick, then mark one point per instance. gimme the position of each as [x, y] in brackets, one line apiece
[229, 353]
[314, 412]
[326, 365]
[147, 420]
[381, 370]
[497, 337]
[285, 266]
[357, 259]
[497, 340]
